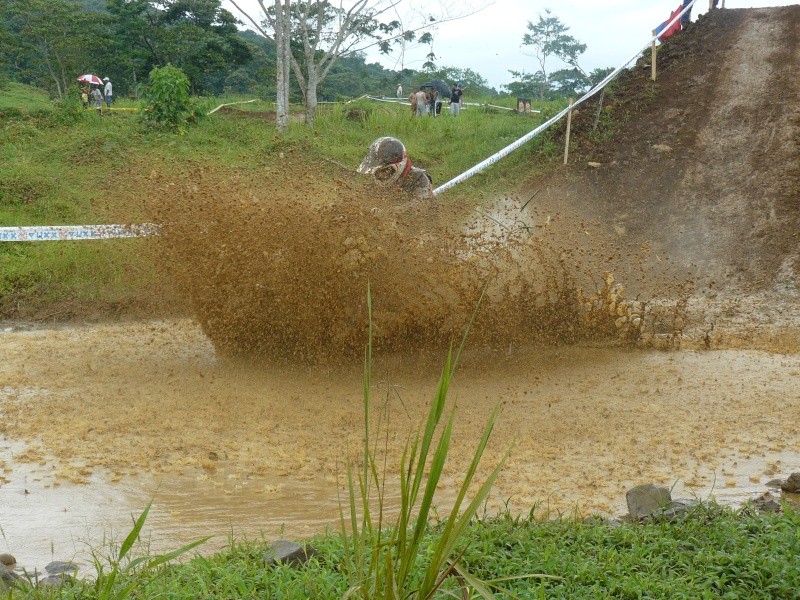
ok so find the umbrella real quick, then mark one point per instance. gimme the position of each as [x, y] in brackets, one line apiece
[89, 78]
[439, 85]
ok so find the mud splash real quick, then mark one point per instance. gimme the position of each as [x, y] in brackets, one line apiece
[280, 268]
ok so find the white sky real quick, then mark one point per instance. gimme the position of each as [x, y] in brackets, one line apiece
[489, 42]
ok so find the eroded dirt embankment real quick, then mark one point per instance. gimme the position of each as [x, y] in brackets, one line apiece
[702, 166]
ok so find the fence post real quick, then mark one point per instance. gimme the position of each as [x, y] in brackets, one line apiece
[569, 127]
[653, 53]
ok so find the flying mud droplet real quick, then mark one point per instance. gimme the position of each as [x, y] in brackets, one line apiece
[280, 267]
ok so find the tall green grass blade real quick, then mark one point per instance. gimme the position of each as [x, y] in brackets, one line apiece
[479, 586]
[134, 533]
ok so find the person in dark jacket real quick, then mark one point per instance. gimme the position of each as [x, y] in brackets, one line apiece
[455, 100]
[687, 16]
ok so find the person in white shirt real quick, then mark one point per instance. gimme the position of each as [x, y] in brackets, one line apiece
[108, 91]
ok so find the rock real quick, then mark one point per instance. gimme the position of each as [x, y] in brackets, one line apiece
[595, 165]
[774, 483]
[662, 148]
[675, 510]
[58, 567]
[8, 561]
[766, 502]
[792, 485]
[646, 499]
[55, 580]
[288, 553]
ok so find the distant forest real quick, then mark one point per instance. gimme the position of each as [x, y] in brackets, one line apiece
[48, 43]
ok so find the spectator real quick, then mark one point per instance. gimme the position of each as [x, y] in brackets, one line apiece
[433, 101]
[412, 99]
[399, 90]
[422, 103]
[687, 16]
[97, 99]
[108, 91]
[85, 96]
[455, 100]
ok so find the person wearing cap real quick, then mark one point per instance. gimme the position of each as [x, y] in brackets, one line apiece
[108, 91]
[388, 163]
[455, 100]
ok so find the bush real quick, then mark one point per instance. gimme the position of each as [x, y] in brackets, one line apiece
[169, 106]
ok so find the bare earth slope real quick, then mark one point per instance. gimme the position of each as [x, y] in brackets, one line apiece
[705, 168]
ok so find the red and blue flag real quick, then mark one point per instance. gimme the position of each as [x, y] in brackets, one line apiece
[663, 32]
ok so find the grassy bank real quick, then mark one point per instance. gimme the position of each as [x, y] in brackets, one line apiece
[63, 165]
[715, 552]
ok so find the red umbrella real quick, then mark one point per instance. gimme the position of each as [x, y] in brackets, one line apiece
[89, 78]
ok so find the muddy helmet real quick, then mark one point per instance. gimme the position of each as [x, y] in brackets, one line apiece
[385, 160]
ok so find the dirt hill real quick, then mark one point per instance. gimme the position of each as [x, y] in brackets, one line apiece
[703, 165]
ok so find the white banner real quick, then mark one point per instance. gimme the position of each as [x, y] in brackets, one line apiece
[76, 232]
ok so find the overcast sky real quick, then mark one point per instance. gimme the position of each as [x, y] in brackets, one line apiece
[489, 42]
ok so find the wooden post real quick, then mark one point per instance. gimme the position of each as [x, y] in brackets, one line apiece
[569, 127]
[653, 53]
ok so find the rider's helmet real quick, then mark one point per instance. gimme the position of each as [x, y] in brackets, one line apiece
[386, 159]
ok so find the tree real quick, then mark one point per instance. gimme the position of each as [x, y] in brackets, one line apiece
[475, 84]
[49, 41]
[568, 82]
[321, 34]
[282, 26]
[527, 85]
[549, 38]
[197, 36]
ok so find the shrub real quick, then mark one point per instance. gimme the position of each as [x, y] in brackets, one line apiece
[169, 105]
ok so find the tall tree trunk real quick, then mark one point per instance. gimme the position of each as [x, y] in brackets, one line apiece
[311, 95]
[50, 69]
[283, 53]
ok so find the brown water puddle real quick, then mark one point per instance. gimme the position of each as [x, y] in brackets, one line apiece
[97, 420]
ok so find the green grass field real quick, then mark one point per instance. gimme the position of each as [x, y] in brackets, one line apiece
[61, 165]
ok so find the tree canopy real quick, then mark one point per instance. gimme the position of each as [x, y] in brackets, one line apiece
[48, 43]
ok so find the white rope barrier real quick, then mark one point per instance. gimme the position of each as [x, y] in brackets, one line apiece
[211, 112]
[481, 166]
[76, 232]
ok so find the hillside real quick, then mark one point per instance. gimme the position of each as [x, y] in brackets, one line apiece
[702, 166]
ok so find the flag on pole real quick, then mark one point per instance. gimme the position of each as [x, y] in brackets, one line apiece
[663, 32]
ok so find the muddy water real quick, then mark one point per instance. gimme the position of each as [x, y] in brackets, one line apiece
[99, 419]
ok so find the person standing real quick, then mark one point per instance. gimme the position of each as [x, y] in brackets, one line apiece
[108, 91]
[422, 103]
[85, 96]
[433, 100]
[455, 100]
[687, 16]
[399, 91]
[97, 98]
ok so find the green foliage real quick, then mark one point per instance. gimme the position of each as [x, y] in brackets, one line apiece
[169, 106]
[125, 575]
[50, 42]
[381, 560]
[548, 37]
[197, 36]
